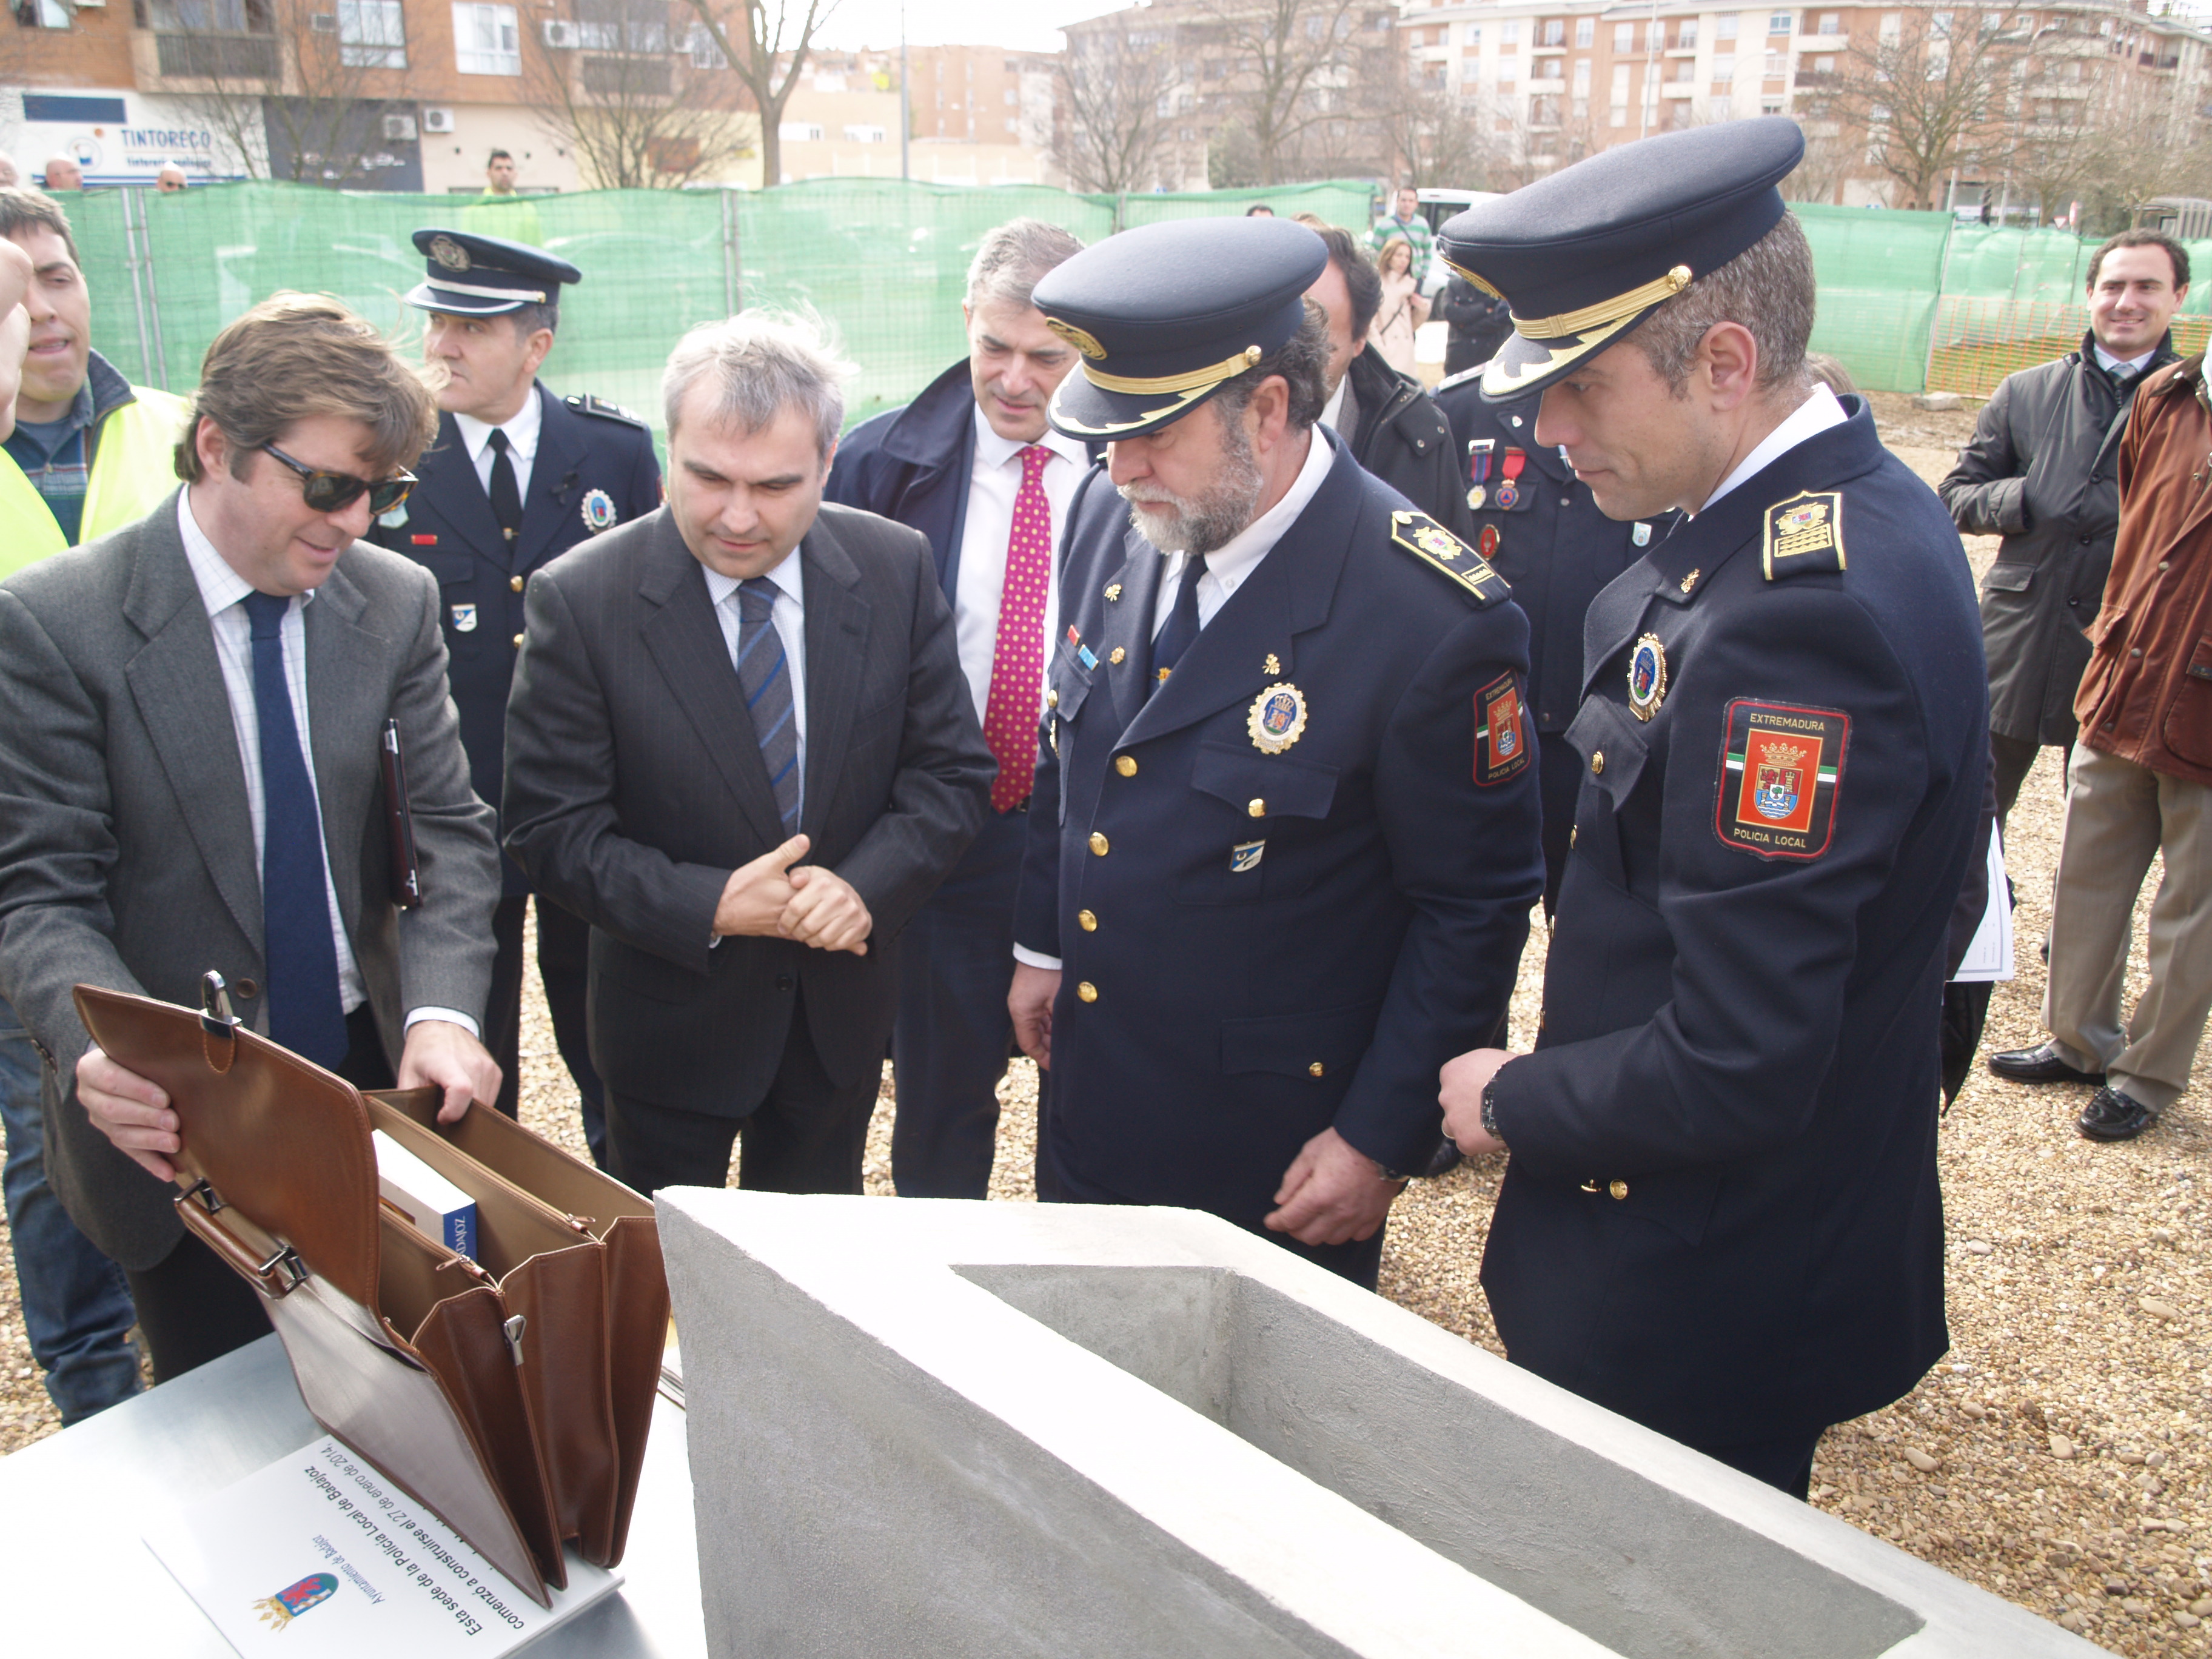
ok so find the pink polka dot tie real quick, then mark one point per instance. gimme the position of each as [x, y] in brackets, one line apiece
[1010, 713]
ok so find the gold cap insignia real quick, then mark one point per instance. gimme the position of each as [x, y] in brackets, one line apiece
[449, 253]
[1082, 339]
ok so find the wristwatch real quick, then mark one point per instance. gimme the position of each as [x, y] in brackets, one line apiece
[1490, 1109]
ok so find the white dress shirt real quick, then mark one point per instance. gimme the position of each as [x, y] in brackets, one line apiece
[1226, 568]
[1815, 415]
[521, 443]
[789, 615]
[993, 483]
[221, 592]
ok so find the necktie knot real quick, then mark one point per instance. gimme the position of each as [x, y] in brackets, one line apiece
[498, 441]
[755, 599]
[1033, 463]
[266, 613]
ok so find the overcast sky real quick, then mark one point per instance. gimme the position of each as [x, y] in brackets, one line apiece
[1033, 27]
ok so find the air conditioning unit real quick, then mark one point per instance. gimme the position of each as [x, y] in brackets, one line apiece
[437, 120]
[560, 34]
[323, 22]
[399, 127]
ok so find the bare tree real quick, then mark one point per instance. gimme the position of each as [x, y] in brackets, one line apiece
[767, 49]
[642, 97]
[1289, 66]
[2140, 147]
[292, 91]
[1434, 134]
[1933, 95]
[1116, 79]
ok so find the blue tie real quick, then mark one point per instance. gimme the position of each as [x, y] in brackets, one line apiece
[766, 678]
[305, 1014]
[1182, 626]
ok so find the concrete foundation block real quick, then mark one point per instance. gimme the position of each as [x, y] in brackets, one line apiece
[935, 1428]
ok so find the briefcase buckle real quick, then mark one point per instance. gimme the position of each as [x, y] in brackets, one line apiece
[283, 1272]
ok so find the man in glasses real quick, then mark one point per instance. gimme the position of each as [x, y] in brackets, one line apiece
[196, 783]
[515, 477]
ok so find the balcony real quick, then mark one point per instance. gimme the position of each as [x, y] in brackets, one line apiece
[206, 55]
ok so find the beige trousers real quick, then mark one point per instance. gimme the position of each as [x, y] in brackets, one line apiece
[2118, 815]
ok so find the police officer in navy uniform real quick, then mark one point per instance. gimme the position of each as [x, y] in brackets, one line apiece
[1720, 1216]
[515, 477]
[1540, 528]
[1283, 843]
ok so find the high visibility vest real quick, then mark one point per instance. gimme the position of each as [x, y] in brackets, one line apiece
[134, 470]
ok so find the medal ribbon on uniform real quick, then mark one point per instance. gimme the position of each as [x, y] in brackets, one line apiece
[1509, 492]
[1478, 470]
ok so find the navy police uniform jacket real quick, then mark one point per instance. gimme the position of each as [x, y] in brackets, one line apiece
[1721, 1215]
[595, 469]
[1545, 537]
[1296, 879]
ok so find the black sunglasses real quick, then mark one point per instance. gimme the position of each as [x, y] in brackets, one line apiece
[334, 492]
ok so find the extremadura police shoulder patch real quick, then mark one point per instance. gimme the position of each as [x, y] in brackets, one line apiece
[1501, 734]
[1782, 767]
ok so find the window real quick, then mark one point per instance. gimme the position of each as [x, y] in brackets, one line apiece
[1474, 38]
[1555, 31]
[484, 41]
[1548, 69]
[1778, 23]
[41, 15]
[705, 54]
[1831, 22]
[857, 135]
[1685, 33]
[1769, 106]
[1724, 27]
[1778, 64]
[1624, 36]
[1619, 113]
[1825, 63]
[799, 132]
[1508, 32]
[1013, 125]
[1585, 31]
[1581, 109]
[1506, 75]
[1013, 97]
[1719, 109]
[1723, 71]
[1582, 75]
[1893, 25]
[372, 34]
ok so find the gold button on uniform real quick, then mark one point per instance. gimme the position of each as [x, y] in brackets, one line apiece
[515, 582]
[1317, 1069]
[1257, 809]
[517, 641]
[1597, 761]
[1116, 655]
[1087, 991]
[1126, 765]
[1618, 1189]
[1086, 920]
[1099, 844]
[1573, 831]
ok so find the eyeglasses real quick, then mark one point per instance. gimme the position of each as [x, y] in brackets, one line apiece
[334, 492]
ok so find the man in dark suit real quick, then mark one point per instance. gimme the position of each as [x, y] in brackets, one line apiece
[973, 465]
[196, 782]
[515, 477]
[705, 698]
[1541, 528]
[1721, 1215]
[1284, 842]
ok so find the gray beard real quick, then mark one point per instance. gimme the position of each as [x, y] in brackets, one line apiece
[1206, 523]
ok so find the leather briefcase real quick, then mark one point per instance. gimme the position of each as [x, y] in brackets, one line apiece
[512, 1395]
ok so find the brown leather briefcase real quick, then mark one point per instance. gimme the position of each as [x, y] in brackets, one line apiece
[512, 1395]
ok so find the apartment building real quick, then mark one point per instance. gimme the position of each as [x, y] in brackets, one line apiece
[1555, 82]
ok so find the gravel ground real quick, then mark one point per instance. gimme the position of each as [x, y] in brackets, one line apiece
[2059, 1456]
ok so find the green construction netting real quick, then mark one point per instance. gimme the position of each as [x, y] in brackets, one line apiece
[884, 260]
[1907, 300]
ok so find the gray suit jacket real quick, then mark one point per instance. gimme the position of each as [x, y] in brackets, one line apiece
[635, 786]
[126, 850]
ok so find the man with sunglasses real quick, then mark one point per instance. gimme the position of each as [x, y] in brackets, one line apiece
[515, 477]
[196, 783]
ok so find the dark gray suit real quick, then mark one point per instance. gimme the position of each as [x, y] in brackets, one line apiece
[126, 850]
[635, 786]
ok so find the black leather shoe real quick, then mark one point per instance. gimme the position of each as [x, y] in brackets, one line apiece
[2040, 1065]
[2112, 1115]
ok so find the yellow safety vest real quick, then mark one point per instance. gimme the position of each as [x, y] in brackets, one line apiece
[133, 472]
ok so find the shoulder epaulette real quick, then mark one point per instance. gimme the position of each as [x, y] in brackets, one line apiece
[1804, 534]
[585, 403]
[1437, 548]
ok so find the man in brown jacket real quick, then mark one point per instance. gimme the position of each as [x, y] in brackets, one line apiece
[2140, 779]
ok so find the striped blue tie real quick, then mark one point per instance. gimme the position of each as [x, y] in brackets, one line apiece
[766, 678]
